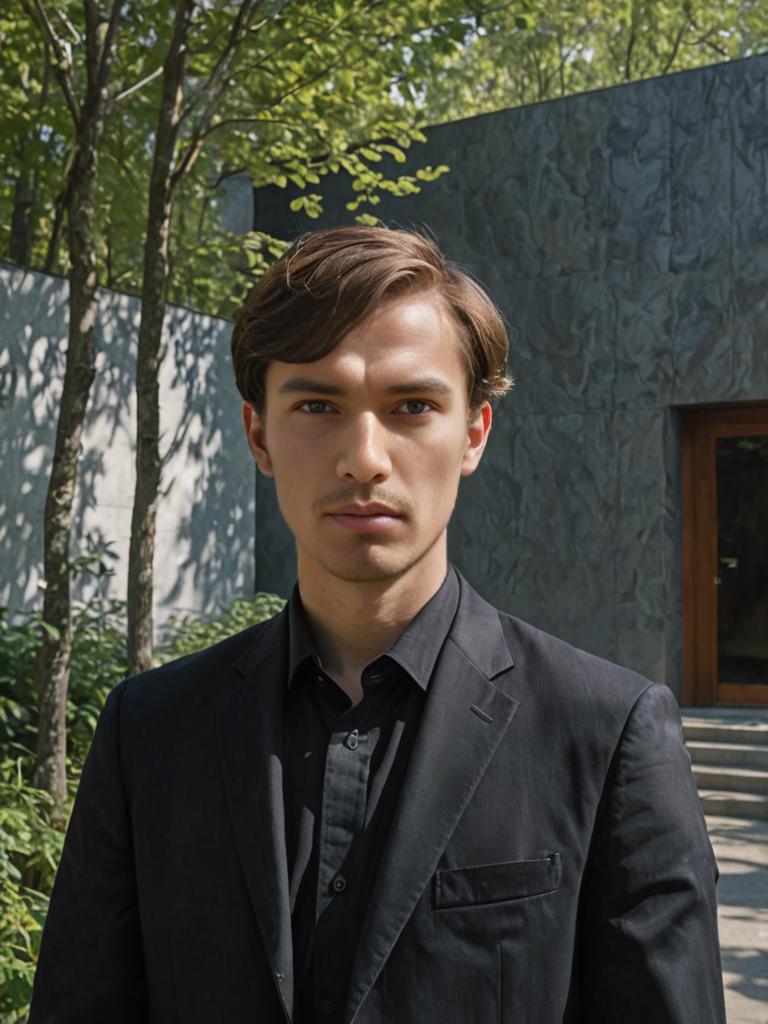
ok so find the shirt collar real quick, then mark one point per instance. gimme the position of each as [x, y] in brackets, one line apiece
[415, 650]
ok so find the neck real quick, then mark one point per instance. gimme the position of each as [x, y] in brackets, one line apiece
[354, 621]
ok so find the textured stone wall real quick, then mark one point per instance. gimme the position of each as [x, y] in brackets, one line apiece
[204, 554]
[624, 234]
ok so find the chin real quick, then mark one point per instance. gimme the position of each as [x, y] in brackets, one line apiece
[371, 562]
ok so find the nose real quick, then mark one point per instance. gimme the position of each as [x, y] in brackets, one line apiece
[364, 453]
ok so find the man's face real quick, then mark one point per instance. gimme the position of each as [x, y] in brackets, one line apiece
[335, 432]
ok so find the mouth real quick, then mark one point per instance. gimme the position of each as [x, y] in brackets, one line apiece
[374, 522]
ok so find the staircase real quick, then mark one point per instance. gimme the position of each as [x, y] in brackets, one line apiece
[729, 751]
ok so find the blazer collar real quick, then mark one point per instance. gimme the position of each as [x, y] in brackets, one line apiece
[466, 714]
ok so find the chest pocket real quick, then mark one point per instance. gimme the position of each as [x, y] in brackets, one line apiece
[493, 883]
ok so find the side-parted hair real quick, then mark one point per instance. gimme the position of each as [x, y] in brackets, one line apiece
[329, 281]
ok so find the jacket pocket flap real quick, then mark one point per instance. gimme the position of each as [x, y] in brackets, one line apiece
[492, 883]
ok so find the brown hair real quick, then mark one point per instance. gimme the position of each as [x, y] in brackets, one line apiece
[328, 282]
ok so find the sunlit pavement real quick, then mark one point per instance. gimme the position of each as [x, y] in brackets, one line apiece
[741, 848]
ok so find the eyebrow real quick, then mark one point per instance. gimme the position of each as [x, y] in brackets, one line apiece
[319, 387]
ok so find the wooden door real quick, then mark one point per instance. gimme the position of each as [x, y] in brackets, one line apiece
[725, 555]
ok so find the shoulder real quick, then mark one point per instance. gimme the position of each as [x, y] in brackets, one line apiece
[555, 679]
[200, 676]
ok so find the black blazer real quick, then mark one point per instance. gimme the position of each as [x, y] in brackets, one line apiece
[549, 860]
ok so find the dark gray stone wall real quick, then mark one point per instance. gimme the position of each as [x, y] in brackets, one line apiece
[624, 234]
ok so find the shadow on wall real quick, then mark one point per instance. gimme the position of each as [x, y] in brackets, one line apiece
[206, 507]
[211, 510]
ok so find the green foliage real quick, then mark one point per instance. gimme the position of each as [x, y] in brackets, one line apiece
[314, 88]
[317, 87]
[30, 846]
[537, 50]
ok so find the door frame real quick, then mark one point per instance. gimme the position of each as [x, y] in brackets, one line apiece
[700, 427]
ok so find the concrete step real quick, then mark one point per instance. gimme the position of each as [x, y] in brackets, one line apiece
[729, 755]
[736, 780]
[725, 732]
[734, 805]
[737, 755]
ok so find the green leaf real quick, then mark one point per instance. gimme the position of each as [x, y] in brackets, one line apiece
[52, 631]
[394, 151]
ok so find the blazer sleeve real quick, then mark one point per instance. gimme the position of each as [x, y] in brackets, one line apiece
[649, 948]
[90, 969]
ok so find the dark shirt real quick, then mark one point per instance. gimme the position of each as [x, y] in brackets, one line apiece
[345, 765]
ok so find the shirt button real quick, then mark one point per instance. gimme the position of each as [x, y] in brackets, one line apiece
[352, 740]
[339, 884]
[326, 1008]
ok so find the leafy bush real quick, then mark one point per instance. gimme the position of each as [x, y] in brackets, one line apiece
[30, 847]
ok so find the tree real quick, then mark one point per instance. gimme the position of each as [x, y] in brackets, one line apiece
[87, 112]
[162, 186]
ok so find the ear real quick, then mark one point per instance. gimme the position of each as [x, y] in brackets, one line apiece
[255, 431]
[478, 430]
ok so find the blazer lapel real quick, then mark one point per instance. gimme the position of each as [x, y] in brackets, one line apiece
[250, 732]
[464, 719]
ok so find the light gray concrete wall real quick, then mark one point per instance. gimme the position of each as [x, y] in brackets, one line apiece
[204, 554]
[624, 234]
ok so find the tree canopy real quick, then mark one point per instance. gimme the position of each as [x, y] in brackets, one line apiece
[538, 50]
[319, 86]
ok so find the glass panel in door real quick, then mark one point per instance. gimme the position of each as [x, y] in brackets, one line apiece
[742, 574]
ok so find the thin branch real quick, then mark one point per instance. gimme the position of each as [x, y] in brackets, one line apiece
[628, 58]
[244, 13]
[62, 66]
[138, 85]
[214, 87]
[722, 51]
[328, 34]
[75, 34]
[105, 55]
[247, 120]
[675, 48]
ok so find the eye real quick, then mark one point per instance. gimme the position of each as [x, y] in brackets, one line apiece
[311, 401]
[418, 401]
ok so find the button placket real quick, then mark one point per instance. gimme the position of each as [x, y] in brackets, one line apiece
[343, 814]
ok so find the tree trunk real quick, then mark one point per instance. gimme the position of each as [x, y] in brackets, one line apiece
[153, 295]
[53, 661]
[80, 369]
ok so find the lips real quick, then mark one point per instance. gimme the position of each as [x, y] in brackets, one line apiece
[373, 509]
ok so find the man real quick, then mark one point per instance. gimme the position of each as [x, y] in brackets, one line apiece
[390, 803]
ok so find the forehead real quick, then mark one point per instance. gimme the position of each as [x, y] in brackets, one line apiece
[414, 334]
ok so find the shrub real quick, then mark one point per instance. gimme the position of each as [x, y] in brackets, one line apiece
[29, 848]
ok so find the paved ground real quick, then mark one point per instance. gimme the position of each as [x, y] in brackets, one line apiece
[741, 848]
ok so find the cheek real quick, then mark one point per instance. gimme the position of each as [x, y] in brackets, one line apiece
[440, 460]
